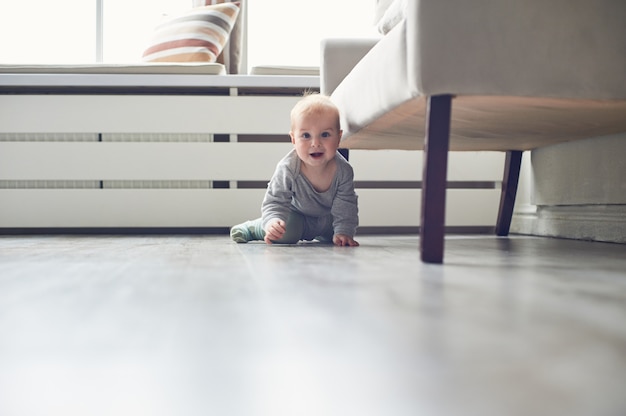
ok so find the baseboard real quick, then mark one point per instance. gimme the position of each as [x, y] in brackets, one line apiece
[606, 223]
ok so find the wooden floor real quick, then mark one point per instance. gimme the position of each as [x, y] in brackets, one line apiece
[197, 325]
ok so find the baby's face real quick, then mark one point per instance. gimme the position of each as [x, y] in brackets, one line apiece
[316, 137]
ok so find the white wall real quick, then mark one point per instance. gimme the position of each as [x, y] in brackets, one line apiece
[578, 190]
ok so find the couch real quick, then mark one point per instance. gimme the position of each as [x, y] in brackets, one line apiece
[479, 75]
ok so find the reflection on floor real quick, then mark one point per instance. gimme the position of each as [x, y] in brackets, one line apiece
[198, 325]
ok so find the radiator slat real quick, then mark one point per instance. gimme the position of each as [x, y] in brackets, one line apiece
[141, 114]
[215, 207]
[139, 161]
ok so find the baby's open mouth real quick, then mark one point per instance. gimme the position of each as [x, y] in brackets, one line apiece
[317, 155]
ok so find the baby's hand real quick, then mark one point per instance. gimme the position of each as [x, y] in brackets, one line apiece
[274, 230]
[344, 240]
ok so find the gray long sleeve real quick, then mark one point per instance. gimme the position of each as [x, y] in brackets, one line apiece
[290, 190]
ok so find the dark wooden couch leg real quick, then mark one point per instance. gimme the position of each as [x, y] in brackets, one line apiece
[509, 190]
[436, 145]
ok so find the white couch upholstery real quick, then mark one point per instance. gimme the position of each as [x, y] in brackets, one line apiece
[481, 75]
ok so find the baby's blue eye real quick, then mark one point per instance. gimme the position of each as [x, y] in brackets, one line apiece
[326, 134]
[306, 136]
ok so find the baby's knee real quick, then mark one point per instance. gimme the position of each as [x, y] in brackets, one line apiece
[294, 228]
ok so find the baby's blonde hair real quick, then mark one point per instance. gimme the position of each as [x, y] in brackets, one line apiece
[312, 103]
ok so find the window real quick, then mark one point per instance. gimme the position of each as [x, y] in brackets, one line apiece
[280, 32]
[47, 32]
[128, 26]
[288, 32]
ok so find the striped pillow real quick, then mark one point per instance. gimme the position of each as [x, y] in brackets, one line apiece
[231, 54]
[198, 35]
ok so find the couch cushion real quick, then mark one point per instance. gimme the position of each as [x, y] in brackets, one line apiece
[198, 35]
[285, 70]
[559, 48]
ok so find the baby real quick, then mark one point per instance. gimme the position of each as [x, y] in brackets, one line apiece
[311, 194]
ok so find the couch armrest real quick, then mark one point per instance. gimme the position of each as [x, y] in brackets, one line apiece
[338, 57]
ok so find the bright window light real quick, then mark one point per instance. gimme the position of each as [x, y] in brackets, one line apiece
[280, 32]
[289, 31]
[47, 32]
[128, 26]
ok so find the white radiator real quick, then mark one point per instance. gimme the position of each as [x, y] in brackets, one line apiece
[95, 161]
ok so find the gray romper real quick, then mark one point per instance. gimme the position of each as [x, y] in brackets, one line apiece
[324, 214]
